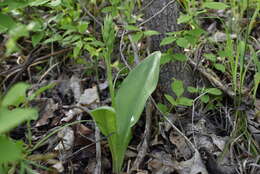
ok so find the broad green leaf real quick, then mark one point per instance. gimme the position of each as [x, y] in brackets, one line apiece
[131, 98]
[184, 101]
[16, 95]
[9, 119]
[192, 89]
[2, 29]
[215, 5]
[210, 57]
[170, 99]
[14, 4]
[55, 37]
[177, 87]
[184, 18]
[105, 117]
[204, 98]
[220, 67]
[114, 2]
[163, 108]
[150, 32]
[132, 28]
[83, 27]
[166, 57]
[38, 2]
[167, 40]
[196, 32]
[214, 91]
[6, 21]
[9, 150]
[191, 39]
[180, 57]
[137, 36]
[77, 49]
[107, 9]
[41, 90]
[182, 42]
[36, 38]
[55, 3]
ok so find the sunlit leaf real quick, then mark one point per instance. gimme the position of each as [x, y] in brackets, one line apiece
[170, 99]
[182, 42]
[6, 21]
[131, 98]
[132, 28]
[184, 101]
[214, 91]
[177, 87]
[137, 36]
[150, 32]
[9, 150]
[220, 67]
[184, 18]
[16, 95]
[210, 57]
[36, 38]
[167, 40]
[204, 98]
[215, 5]
[9, 119]
[180, 57]
[192, 89]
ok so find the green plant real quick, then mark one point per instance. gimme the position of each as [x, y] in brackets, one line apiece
[178, 89]
[235, 54]
[127, 105]
[11, 115]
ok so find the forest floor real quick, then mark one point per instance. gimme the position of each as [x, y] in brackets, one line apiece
[217, 134]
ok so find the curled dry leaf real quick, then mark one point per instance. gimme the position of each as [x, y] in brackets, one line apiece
[90, 97]
[193, 165]
[47, 112]
[58, 166]
[67, 139]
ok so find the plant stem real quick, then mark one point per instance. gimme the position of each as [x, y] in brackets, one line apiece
[109, 77]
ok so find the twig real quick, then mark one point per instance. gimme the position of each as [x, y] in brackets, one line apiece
[193, 114]
[147, 5]
[98, 151]
[173, 126]
[44, 74]
[156, 14]
[147, 133]
[214, 81]
[135, 50]
[31, 61]
[93, 17]
[121, 50]
[26, 64]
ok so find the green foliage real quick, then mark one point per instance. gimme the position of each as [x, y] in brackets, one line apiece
[218, 66]
[11, 150]
[205, 93]
[215, 5]
[12, 118]
[130, 100]
[108, 34]
[178, 89]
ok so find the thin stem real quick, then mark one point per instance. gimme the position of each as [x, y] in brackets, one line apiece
[109, 77]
